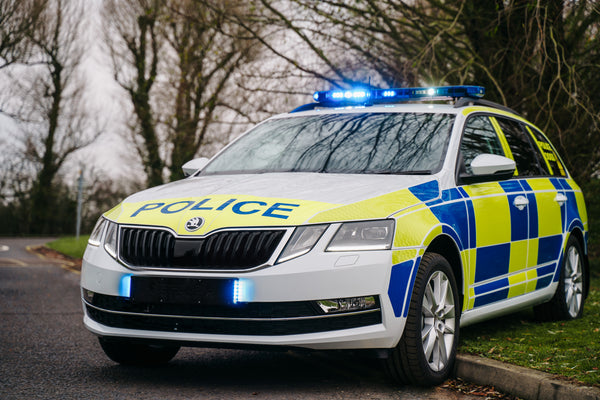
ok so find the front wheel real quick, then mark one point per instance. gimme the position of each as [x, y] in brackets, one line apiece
[129, 352]
[426, 352]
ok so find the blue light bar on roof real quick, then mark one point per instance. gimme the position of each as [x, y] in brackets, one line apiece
[363, 96]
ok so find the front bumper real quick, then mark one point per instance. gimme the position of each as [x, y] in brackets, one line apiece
[277, 308]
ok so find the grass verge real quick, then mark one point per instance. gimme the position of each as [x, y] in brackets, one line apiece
[70, 246]
[570, 349]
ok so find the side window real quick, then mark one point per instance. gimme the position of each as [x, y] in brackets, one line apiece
[522, 151]
[479, 137]
[549, 156]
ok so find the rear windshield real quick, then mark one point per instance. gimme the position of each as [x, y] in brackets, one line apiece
[369, 143]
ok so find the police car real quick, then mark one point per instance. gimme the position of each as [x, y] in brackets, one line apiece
[368, 219]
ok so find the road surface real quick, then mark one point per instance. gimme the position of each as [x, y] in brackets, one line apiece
[46, 353]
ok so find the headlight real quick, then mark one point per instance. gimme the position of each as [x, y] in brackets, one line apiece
[110, 241]
[96, 236]
[366, 235]
[302, 241]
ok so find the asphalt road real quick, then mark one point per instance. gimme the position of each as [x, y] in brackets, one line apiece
[46, 353]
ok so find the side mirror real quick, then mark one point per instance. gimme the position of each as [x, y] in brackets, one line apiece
[489, 167]
[192, 166]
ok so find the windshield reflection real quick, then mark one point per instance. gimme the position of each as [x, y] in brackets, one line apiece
[369, 143]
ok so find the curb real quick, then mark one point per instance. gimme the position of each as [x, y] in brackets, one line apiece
[64, 262]
[522, 382]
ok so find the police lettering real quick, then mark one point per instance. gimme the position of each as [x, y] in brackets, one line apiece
[245, 207]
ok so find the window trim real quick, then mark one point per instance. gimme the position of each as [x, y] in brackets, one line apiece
[561, 165]
[501, 138]
[527, 129]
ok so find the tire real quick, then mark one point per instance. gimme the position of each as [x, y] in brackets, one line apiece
[567, 302]
[426, 352]
[128, 352]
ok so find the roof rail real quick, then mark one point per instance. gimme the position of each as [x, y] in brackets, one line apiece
[467, 101]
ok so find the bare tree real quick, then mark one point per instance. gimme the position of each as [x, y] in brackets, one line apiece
[135, 46]
[539, 57]
[176, 59]
[208, 50]
[49, 105]
[17, 20]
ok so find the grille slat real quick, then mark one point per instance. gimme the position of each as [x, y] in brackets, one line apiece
[225, 250]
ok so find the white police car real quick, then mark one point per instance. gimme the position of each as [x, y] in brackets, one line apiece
[355, 222]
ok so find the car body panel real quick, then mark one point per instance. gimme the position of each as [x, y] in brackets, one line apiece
[508, 257]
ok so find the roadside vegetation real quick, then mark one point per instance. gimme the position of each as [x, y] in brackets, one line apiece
[70, 246]
[570, 349]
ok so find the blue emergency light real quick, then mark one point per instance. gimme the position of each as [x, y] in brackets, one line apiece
[243, 291]
[364, 96]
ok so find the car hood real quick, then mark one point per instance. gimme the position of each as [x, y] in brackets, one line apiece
[272, 199]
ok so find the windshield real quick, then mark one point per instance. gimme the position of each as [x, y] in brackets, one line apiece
[369, 143]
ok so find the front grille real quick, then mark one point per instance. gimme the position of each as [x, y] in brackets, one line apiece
[225, 250]
[146, 247]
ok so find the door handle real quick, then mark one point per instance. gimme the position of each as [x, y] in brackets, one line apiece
[520, 202]
[560, 199]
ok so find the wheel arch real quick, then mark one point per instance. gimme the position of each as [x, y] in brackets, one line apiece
[445, 246]
[577, 233]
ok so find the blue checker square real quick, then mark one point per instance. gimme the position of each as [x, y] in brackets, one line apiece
[492, 261]
[549, 248]
[519, 220]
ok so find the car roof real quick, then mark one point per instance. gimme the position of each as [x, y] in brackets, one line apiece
[379, 108]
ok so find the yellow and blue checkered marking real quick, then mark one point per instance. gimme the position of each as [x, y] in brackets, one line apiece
[506, 251]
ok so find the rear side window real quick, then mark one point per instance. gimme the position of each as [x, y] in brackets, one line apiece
[549, 156]
[479, 137]
[521, 148]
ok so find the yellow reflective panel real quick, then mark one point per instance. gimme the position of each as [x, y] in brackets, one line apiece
[541, 184]
[471, 302]
[468, 258]
[484, 189]
[414, 228]
[549, 212]
[531, 280]
[399, 256]
[376, 207]
[114, 212]
[580, 203]
[518, 256]
[518, 284]
[492, 213]
[532, 253]
[220, 211]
